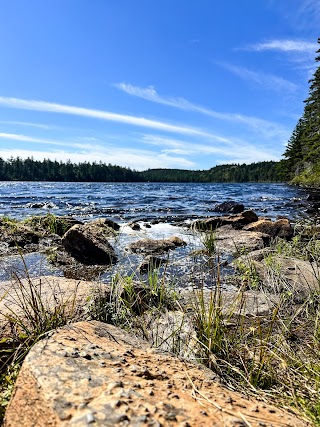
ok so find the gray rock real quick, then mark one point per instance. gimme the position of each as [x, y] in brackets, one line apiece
[88, 244]
[230, 206]
[282, 274]
[154, 246]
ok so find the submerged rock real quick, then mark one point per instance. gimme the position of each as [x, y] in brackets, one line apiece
[88, 244]
[154, 246]
[150, 263]
[237, 221]
[134, 226]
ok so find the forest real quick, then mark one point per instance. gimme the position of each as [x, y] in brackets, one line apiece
[17, 169]
[301, 163]
[254, 172]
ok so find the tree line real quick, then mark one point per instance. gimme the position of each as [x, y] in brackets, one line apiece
[301, 163]
[254, 172]
[17, 169]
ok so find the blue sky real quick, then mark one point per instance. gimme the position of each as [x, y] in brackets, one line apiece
[154, 83]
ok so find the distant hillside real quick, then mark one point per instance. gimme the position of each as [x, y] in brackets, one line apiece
[255, 172]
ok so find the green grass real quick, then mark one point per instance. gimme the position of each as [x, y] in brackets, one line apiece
[50, 223]
[31, 318]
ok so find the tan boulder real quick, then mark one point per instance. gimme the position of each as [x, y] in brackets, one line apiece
[279, 228]
[52, 290]
[92, 373]
[230, 240]
[279, 273]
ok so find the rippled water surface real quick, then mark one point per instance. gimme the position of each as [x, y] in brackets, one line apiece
[128, 201]
[124, 202]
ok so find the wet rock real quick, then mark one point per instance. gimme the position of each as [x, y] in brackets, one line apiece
[150, 263]
[231, 206]
[88, 244]
[106, 222]
[56, 389]
[280, 228]
[239, 220]
[154, 246]
[313, 196]
[236, 221]
[41, 205]
[135, 226]
[14, 234]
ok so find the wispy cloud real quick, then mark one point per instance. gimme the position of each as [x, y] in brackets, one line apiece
[263, 79]
[299, 52]
[135, 159]
[26, 138]
[107, 116]
[246, 153]
[285, 46]
[169, 145]
[267, 128]
[29, 124]
[308, 14]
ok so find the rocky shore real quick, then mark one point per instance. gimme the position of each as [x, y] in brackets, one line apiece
[245, 271]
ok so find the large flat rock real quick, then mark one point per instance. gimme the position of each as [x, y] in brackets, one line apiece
[52, 290]
[94, 374]
[280, 273]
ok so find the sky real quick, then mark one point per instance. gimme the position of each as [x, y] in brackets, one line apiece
[185, 84]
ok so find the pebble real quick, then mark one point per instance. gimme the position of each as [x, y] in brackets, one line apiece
[90, 418]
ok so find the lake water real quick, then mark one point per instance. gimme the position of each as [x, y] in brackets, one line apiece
[124, 202]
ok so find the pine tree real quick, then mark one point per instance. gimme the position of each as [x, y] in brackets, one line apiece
[311, 137]
[303, 150]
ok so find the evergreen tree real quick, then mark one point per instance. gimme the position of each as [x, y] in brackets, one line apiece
[302, 156]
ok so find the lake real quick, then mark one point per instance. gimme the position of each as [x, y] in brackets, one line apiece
[125, 202]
